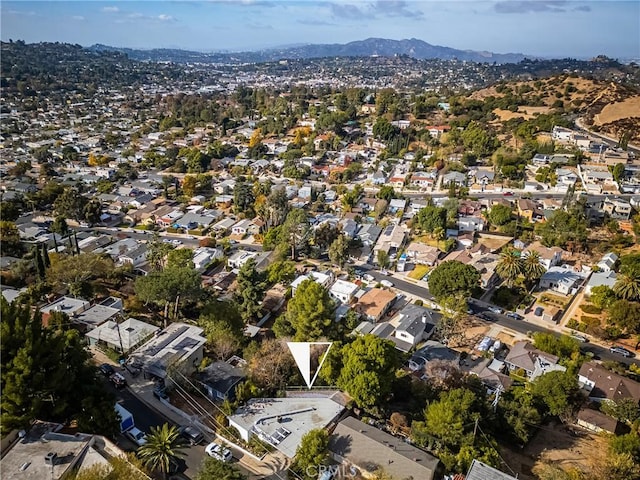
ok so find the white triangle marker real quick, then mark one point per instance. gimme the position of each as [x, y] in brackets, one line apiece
[301, 352]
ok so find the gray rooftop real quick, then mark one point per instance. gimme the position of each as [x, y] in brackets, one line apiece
[26, 459]
[370, 448]
[298, 415]
[482, 471]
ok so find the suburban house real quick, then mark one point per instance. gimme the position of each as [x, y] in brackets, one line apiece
[607, 262]
[178, 344]
[323, 279]
[530, 210]
[369, 234]
[375, 303]
[135, 257]
[436, 131]
[598, 422]
[415, 324]
[391, 239]
[240, 257]
[549, 257]
[617, 208]
[282, 422]
[423, 179]
[470, 224]
[604, 385]
[524, 356]
[245, 227]
[220, 380]
[203, 256]
[368, 449]
[563, 279]
[121, 337]
[68, 305]
[457, 178]
[343, 291]
[599, 279]
[421, 253]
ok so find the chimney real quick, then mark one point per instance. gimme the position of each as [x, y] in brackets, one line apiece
[424, 318]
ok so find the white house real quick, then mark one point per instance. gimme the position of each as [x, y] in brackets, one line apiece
[324, 279]
[599, 279]
[343, 291]
[242, 227]
[239, 258]
[562, 279]
[470, 224]
[203, 256]
[607, 262]
[549, 257]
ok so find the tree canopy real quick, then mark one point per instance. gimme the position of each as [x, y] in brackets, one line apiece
[453, 278]
[46, 374]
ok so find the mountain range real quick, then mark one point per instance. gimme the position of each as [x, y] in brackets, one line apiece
[382, 47]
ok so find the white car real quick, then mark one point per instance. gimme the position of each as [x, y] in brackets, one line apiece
[218, 452]
[496, 310]
[386, 283]
[137, 435]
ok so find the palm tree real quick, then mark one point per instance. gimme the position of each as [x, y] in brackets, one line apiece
[628, 286]
[164, 446]
[509, 266]
[532, 266]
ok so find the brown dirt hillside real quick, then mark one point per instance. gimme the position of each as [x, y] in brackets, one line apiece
[608, 107]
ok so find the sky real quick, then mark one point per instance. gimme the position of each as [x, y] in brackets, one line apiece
[547, 28]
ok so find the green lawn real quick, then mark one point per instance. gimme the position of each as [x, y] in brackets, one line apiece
[418, 272]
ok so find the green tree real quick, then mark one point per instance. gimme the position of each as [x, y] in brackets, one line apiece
[430, 218]
[558, 391]
[451, 417]
[453, 278]
[626, 315]
[70, 204]
[386, 192]
[281, 272]
[189, 185]
[339, 250]
[311, 312]
[214, 469]
[312, 452]
[602, 296]
[275, 208]
[383, 258]
[517, 409]
[223, 327]
[243, 199]
[10, 238]
[500, 214]
[174, 284]
[532, 267]
[163, 448]
[626, 444]
[625, 410]
[60, 226]
[250, 290]
[78, 273]
[92, 211]
[368, 372]
[627, 286]
[157, 252]
[563, 346]
[180, 257]
[509, 266]
[46, 374]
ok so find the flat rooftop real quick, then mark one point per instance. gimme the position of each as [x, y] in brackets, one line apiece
[282, 422]
[26, 459]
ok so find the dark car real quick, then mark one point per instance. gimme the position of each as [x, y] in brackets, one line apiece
[106, 369]
[192, 434]
[622, 351]
[160, 392]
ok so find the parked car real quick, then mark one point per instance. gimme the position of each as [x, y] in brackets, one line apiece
[622, 351]
[118, 380]
[508, 194]
[368, 277]
[107, 370]
[137, 436]
[217, 451]
[515, 316]
[386, 283]
[192, 434]
[496, 310]
[160, 393]
[497, 345]
[580, 338]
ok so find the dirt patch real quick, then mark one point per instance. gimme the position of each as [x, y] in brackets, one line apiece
[618, 111]
[506, 115]
[506, 338]
[567, 447]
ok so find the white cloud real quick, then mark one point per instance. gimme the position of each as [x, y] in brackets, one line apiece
[110, 9]
[79, 18]
[165, 18]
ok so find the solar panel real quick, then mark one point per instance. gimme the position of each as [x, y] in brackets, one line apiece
[185, 343]
[159, 346]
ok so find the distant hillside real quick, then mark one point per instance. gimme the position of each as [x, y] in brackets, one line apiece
[363, 48]
[608, 107]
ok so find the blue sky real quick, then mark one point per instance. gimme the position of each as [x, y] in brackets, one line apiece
[557, 28]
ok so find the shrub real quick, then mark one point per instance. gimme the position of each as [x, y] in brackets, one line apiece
[573, 324]
[592, 309]
[419, 302]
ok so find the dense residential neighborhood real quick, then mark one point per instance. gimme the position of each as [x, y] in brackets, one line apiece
[472, 266]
